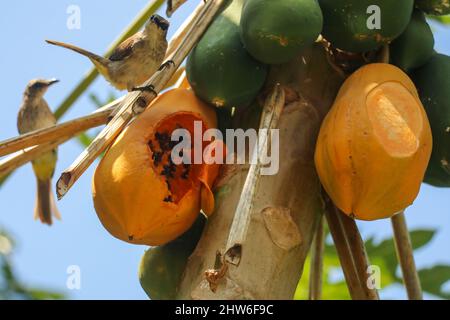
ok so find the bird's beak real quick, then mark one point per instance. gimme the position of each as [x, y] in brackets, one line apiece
[52, 81]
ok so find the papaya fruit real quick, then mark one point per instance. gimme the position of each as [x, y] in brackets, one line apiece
[364, 25]
[374, 144]
[415, 46]
[140, 195]
[161, 268]
[219, 69]
[274, 32]
[434, 7]
[433, 82]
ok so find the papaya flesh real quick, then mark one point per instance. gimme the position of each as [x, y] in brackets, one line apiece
[374, 144]
[161, 268]
[433, 82]
[346, 22]
[140, 195]
[415, 46]
[274, 32]
[434, 7]
[219, 69]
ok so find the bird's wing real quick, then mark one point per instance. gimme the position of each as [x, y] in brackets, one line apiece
[123, 50]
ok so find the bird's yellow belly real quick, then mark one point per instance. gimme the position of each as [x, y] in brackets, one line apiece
[44, 166]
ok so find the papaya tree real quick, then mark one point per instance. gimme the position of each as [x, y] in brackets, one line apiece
[350, 102]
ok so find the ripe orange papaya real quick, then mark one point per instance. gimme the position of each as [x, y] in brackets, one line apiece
[140, 195]
[374, 144]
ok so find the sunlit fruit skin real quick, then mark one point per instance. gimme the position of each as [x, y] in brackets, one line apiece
[274, 32]
[434, 7]
[131, 187]
[346, 27]
[415, 46]
[375, 143]
[433, 82]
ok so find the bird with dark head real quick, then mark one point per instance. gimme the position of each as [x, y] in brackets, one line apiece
[134, 60]
[35, 114]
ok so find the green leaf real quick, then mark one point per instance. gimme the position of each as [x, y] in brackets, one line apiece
[385, 250]
[434, 278]
[382, 254]
[330, 290]
[419, 238]
[85, 139]
[38, 294]
[98, 103]
[445, 20]
[4, 178]
[12, 288]
[95, 100]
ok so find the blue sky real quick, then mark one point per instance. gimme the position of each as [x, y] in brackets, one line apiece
[109, 266]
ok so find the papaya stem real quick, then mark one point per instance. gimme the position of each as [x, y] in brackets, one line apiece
[402, 240]
[69, 128]
[445, 165]
[405, 256]
[330, 59]
[316, 272]
[384, 54]
[352, 253]
[20, 158]
[238, 232]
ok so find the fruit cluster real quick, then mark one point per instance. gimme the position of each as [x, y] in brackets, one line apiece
[387, 132]
[228, 69]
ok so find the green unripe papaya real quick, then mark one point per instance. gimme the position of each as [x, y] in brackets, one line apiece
[415, 46]
[219, 69]
[274, 32]
[435, 7]
[161, 268]
[433, 83]
[364, 25]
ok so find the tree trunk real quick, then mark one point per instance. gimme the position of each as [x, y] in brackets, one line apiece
[287, 206]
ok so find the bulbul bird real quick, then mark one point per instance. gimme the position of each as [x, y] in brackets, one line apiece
[134, 60]
[35, 114]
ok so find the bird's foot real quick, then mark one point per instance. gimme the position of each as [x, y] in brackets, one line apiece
[166, 65]
[149, 88]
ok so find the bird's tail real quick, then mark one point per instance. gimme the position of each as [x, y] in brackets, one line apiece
[45, 203]
[100, 62]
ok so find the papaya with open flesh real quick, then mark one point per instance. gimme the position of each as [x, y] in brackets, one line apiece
[274, 32]
[364, 25]
[434, 7]
[375, 143]
[415, 46]
[219, 69]
[433, 82]
[161, 268]
[143, 196]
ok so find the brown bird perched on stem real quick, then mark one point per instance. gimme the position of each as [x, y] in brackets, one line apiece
[35, 114]
[134, 60]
